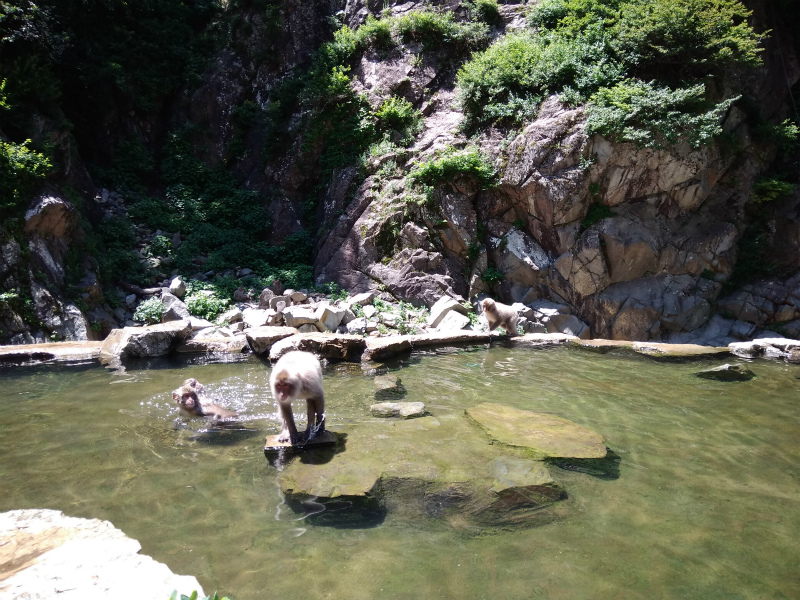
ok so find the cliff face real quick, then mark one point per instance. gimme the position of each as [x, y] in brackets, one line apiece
[638, 243]
[653, 266]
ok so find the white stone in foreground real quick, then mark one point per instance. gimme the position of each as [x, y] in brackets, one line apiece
[45, 555]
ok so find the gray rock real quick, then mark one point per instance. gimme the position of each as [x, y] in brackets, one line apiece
[233, 315]
[727, 372]
[402, 410]
[265, 297]
[66, 557]
[324, 345]
[261, 339]
[177, 287]
[296, 316]
[453, 321]
[329, 317]
[151, 340]
[174, 308]
[441, 308]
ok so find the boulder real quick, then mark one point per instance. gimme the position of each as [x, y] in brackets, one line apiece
[174, 308]
[236, 344]
[232, 315]
[265, 297]
[148, 341]
[261, 339]
[295, 316]
[46, 554]
[258, 317]
[453, 321]
[547, 436]
[324, 345]
[329, 317]
[177, 287]
[727, 372]
[382, 349]
[442, 307]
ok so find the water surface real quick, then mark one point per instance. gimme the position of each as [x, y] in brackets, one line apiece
[705, 505]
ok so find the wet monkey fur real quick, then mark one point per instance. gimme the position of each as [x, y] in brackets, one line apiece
[500, 314]
[298, 375]
[191, 403]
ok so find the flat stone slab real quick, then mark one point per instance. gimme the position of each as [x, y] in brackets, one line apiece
[44, 554]
[52, 351]
[727, 372]
[234, 345]
[324, 345]
[655, 349]
[261, 339]
[548, 436]
[326, 437]
[402, 410]
[412, 468]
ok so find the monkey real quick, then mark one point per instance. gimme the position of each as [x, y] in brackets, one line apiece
[241, 295]
[500, 314]
[298, 375]
[188, 398]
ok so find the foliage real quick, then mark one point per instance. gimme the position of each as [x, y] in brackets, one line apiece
[597, 212]
[149, 311]
[484, 10]
[451, 163]
[768, 189]
[584, 48]
[159, 246]
[194, 596]
[492, 275]
[111, 242]
[206, 305]
[635, 111]
[21, 170]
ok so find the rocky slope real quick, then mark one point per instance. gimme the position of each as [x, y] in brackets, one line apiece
[634, 243]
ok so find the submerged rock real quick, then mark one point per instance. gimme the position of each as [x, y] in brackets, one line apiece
[403, 410]
[548, 436]
[728, 372]
[411, 468]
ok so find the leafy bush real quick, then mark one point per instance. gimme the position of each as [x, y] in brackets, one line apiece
[206, 305]
[767, 189]
[149, 311]
[634, 111]
[584, 47]
[21, 170]
[484, 10]
[492, 275]
[597, 212]
[450, 164]
[398, 114]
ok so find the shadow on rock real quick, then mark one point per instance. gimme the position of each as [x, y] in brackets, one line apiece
[602, 468]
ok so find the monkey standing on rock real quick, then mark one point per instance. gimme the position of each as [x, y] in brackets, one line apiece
[500, 314]
[188, 398]
[298, 375]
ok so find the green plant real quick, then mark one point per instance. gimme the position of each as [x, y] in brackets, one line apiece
[160, 245]
[635, 111]
[492, 275]
[358, 310]
[149, 311]
[768, 189]
[194, 596]
[21, 170]
[206, 305]
[484, 10]
[597, 211]
[451, 163]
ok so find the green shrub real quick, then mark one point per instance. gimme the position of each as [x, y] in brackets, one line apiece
[597, 212]
[149, 311]
[582, 48]
[634, 111]
[21, 170]
[492, 275]
[484, 10]
[768, 189]
[439, 30]
[451, 163]
[398, 114]
[206, 305]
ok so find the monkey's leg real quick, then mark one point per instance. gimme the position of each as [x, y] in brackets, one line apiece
[289, 432]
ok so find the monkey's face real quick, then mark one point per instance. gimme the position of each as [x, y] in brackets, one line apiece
[193, 383]
[285, 389]
[488, 305]
[187, 400]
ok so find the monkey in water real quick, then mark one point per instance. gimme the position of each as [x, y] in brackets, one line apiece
[298, 375]
[188, 397]
[500, 314]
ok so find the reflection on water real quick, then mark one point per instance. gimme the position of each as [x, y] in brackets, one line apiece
[699, 499]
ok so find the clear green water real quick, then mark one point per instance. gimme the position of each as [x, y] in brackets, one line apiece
[705, 506]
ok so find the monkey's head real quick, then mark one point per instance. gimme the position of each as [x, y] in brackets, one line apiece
[193, 384]
[488, 305]
[187, 400]
[284, 385]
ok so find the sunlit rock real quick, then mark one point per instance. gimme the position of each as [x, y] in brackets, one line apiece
[45, 554]
[546, 435]
[261, 339]
[324, 345]
[401, 410]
